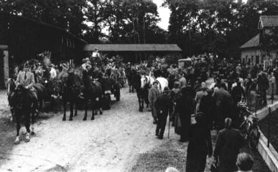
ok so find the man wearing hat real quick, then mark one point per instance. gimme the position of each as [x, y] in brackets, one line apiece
[153, 94]
[27, 79]
[86, 64]
[163, 105]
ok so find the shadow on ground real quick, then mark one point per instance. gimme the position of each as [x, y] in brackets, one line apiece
[173, 154]
[8, 133]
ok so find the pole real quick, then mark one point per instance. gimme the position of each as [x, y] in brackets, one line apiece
[272, 93]
[256, 107]
[268, 129]
[169, 127]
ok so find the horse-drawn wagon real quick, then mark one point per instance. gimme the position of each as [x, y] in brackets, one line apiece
[111, 85]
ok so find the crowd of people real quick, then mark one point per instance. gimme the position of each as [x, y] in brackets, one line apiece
[200, 97]
[204, 96]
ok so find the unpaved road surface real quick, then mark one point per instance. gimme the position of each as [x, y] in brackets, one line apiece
[111, 142]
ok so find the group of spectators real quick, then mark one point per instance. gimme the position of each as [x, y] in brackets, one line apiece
[197, 106]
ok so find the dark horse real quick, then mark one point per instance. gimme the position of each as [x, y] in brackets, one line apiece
[23, 107]
[71, 89]
[141, 85]
[10, 92]
[39, 89]
[92, 91]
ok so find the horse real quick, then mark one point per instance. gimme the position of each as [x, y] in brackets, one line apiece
[92, 91]
[142, 87]
[23, 105]
[163, 82]
[39, 89]
[71, 89]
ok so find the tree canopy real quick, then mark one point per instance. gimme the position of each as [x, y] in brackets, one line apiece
[197, 26]
[217, 26]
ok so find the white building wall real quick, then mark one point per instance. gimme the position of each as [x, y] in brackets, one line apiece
[252, 53]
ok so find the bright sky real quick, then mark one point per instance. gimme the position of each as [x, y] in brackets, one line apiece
[164, 14]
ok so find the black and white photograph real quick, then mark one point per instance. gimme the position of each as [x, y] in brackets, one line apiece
[138, 85]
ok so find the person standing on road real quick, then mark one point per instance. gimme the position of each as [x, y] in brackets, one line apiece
[153, 95]
[224, 106]
[244, 162]
[184, 108]
[207, 106]
[199, 145]
[199, 95]
[163, 105]
[182, 79]
[228, 143]
[237, 92]
[263, 85]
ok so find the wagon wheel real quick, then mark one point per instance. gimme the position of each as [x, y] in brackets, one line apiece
[254, 136]
[109, 102]
[118, 95]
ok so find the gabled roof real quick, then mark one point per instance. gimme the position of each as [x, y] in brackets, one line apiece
[268, 21]
[132, 47]
[254, 42]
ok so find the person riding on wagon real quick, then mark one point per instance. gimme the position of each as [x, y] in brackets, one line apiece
[26, 79]
[86, 64]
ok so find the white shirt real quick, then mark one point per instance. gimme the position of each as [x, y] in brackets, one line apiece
[53, 73]
[95, 54]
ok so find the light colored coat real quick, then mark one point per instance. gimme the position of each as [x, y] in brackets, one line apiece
[29, 81]
[153, 95]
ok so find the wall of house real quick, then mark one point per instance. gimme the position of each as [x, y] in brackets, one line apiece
[4, 65]
[27, 38]
[252, 56]
[256, 56]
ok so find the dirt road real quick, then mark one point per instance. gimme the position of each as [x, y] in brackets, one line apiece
[120, 140]
[111, 142]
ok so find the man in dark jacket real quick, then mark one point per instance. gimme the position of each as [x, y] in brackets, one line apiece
[207, 106]
[152, 96]
[224, 106]
[263, 85]
[199, 146]
[228, 143]
[184, 109]
[163, 104]
[237, 92]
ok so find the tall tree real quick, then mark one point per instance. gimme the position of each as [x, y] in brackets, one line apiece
[142, 14]
[66, 14]
[218, 26]
[97, 12]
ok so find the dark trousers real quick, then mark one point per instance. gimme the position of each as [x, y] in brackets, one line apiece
[263, 95]
[160, 127]
[185, 126]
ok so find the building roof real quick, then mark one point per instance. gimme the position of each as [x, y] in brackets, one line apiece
[254, 42]
[268, 21]
[3, 47]
[133, 47]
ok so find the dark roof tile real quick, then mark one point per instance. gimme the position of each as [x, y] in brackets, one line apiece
[268, 21]
[132, 47]
[254, 42]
